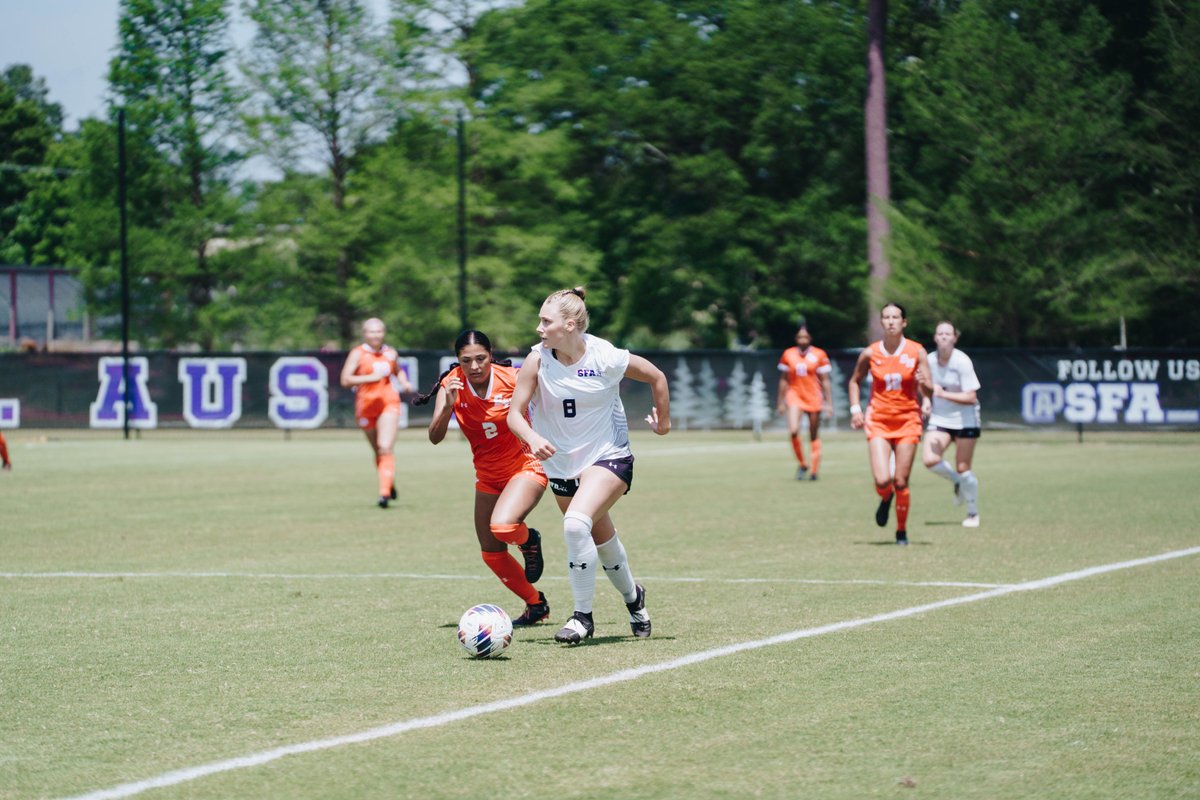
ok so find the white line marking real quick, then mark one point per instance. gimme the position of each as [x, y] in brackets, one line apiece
[179, 776]
[436, 577]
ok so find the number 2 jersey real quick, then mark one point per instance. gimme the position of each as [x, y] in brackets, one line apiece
[578, 408]
[498, 454]
[895, 408]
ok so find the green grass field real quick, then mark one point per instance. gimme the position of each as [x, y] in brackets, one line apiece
[186, 599]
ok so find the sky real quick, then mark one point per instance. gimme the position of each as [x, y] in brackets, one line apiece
[69, 43]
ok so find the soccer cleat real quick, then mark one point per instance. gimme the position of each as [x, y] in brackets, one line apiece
[957, 494]
[534, 612]
[383, 501]
[812, 477]
[393, 492]
[801, 471]
[532, 552]
[881, 513]
[578, 628]
[7, 465]
[901, 537]
[639, 619]
[972, 521]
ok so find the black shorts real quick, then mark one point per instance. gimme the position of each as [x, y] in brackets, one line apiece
[621, 467]
[960, 433]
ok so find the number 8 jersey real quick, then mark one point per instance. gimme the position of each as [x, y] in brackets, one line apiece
[578, 407]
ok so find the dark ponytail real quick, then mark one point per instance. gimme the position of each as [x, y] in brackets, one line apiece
[465, 338]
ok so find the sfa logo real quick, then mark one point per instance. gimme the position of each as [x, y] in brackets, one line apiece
[212, 393]
[1131, 403]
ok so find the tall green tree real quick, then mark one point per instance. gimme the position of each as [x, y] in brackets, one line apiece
[323, 85]
[718, 154]
[1165, 164]
[1009, 219]
[29, 126]
[172, 76]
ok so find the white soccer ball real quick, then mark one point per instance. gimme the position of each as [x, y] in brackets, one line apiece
[485, 631]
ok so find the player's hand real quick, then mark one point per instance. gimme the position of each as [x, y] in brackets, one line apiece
[381, 369]
[856, 420]
[827, 411]
[453, 386]
[660, 426]
[541, 448]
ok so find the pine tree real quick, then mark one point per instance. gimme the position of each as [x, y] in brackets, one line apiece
[683, 398]
[737, 399]
[760, 407]
[708, 404]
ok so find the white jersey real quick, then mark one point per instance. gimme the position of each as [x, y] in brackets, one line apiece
[957, 376]
[578, 408]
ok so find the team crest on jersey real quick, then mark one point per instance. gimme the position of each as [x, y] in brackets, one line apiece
[908, 360]
[502, 402]
[589, 373]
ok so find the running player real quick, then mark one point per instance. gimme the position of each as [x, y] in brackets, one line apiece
[580, 433]
[955, 418]
[368, 371]
[804, 387]
[900, 389]
[509, 480]
[4, 462]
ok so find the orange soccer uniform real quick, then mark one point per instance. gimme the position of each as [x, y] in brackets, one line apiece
[804, 373]
[894, 411]
[498, 454]
[373, 399]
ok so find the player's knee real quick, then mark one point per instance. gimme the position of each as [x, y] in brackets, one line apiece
[576, 525]
[899, 484]
[883, 486]
[508, 532]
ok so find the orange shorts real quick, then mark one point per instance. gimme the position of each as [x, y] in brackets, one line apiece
[901, 430]
[496, 487]
[792, 399]
[368, 416]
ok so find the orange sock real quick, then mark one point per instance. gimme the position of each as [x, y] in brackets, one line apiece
[816, 455]
[511, 574]
[798, 449]
[884, 492]
[386, 466]
[513, 533]
[902, 500]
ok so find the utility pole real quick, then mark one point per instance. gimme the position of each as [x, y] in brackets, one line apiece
[878, 183]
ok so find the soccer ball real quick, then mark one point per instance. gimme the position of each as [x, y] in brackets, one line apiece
[485, 631]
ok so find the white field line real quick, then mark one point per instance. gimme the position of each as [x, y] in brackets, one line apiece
[436, 577]
[179, 776]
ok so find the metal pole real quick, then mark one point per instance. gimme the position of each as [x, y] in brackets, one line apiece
[462, 222]
[124, 269]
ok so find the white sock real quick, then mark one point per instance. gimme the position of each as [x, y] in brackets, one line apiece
[616, 567]
[944, 469]
[581, 559]
[970, 491]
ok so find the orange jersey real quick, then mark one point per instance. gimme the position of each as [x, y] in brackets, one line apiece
[804, 373]
[372, 399]
[497, 452]
[895, 408]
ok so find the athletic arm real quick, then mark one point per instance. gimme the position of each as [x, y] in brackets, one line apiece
[854, 388]
[827, 391]
[781, 393]
[962, 398]
[925, 385]
[443, 409]
[642, 370]
[518, 409]
[348, 368]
